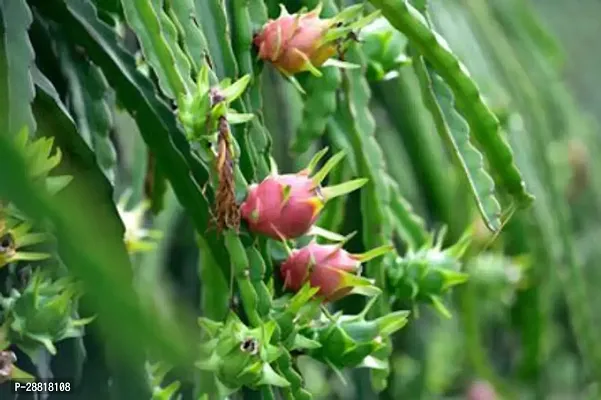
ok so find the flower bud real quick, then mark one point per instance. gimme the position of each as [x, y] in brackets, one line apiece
[428, 273]
[293, 312]
[303, 41]
[42, 314]
[240, 356]
[200, 110]
[351, 341]
[330, 268]
[287, 206]
[384, 48]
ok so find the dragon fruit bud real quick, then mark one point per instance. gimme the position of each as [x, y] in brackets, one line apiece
[303, 41]
[330, 268]
[286, 206]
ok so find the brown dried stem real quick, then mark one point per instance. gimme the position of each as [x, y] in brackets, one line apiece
[226, 209]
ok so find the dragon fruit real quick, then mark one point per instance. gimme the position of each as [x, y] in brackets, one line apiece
[286, 206]
[303, 41]
[330, 268]
[481, 390]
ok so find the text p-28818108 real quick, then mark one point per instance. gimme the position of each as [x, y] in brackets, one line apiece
[42, 386]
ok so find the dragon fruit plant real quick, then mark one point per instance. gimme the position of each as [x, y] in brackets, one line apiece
[176, 216]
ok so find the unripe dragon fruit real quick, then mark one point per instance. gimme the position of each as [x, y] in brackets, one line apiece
[330, 268]
[350, 341]
[287, 206]
[303, 41]
[239, 356]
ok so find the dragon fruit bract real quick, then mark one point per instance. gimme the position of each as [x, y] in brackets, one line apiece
[329, 267]
[286, 206]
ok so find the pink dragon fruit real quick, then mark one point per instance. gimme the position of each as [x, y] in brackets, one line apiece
[331, 268]
[287, 206]
[481, 390]
[303, 41]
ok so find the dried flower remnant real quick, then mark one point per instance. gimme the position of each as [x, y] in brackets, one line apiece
[250, 345]
[227, 213]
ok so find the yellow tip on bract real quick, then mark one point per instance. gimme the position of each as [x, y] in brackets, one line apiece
[317, 204]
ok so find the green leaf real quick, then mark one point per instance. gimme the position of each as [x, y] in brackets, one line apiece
[194, 43]
[408, 224]
[456, 132]
[453, 129]
[159, 43]
[54, 119]
[216, 29]
[16, 60]
[89, 92]
[469, 102]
